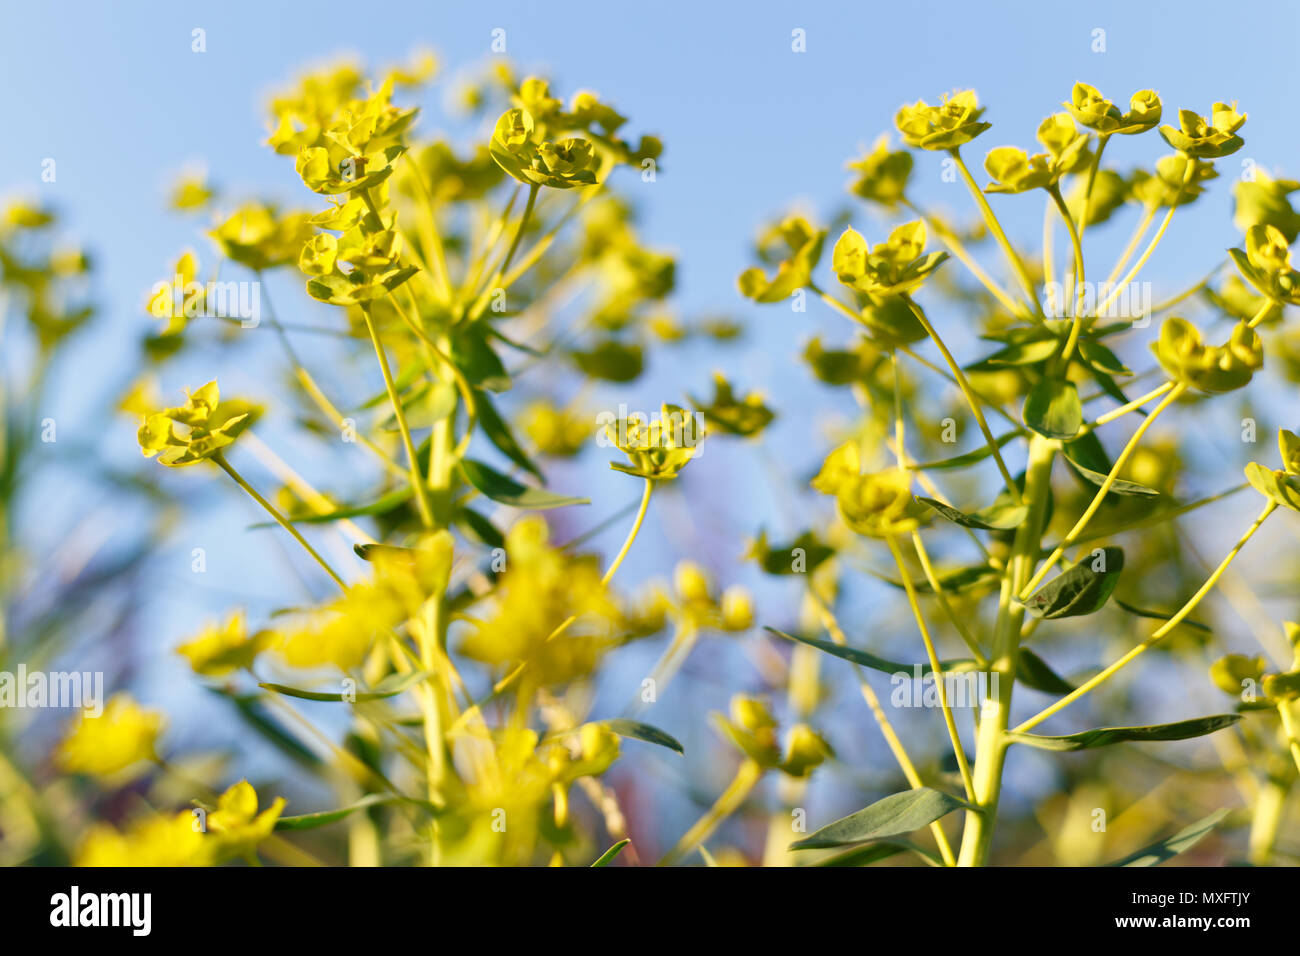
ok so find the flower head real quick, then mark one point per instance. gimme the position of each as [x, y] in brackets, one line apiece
[1266, 264]
[729, 413]
[657, 449]
[1099, 114]
[799, 246]
[954, 122]
[1207, 138]
[195, 431]
[898, 265]
[124, 735]
[882, 174]
[1209, 368]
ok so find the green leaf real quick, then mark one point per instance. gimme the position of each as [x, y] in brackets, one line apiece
[507, 491]
[998, 516]
[968, 458]
[640, 731]
[1034, 672]
[479, 528]
[1102, 359]
[389, 502]
[1087, 459]
[1053, 410]
[477, 361]
[867, 659]
[1106, 736]
[1159, 616]
[895, 815]
[499, 433]
[611, 361]
[310, 821]
[1167, 849]
[390, 686]
[870, 853]
[1079, 590]
[1023, 353]
[607, 857]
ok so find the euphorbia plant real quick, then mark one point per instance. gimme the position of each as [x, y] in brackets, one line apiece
[1053, 338]
[463, 651]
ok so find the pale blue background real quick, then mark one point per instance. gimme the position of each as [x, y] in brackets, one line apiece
[114, 94]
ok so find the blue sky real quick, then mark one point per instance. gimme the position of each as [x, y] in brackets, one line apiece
[115, 95]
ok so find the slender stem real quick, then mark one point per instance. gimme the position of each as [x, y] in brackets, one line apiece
[220, 460]
[1102, 140]
[969, 394]
[1148, 215]
[747, 775]
[417, 482]
[959, 250]
[1077, 282]
[936, 669]
[1155, 241]
[1172, 396]
[1289, 728]
[923, 556]
[481, 303]
[990, 739]
[882, 721]
[1125, 409]
[1049, 263]
[1265, 821]
[996, 228]
[1155, 638]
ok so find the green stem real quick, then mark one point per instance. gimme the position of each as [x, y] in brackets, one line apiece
[1079, 527]
[995, 227]
[960, 377]
[1155, 638]
[417, 482]
[990, 741]
[1076, 282]
[747, 775]
[220, 460]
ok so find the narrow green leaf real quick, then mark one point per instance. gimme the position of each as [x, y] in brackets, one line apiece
[640, 731]
[390, 686]
[1087, 458]
[1159, 616]
[1034, 672]
[607, 857]
[1081, 589]
[310, 821]
[867, 659]
[870, 853]
[893, 816]
[1052, 409]
[506, 490]
[1106, 736]
[968, 458]
[1180, 842]
[998, 516]
[498, 432]
[1023, 353]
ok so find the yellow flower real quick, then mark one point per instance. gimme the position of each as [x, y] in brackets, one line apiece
[259, 237]
[124, 735]
[954, 122]
[158, 840]
[236, 825]
[1209, 368]
[658, 449]
[195, 431]
[896, 266]
[882, 174]
[1094, 111]
[1207, 138]
[221, 649]
[556, 431]
[542, 587]
[797, 247]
